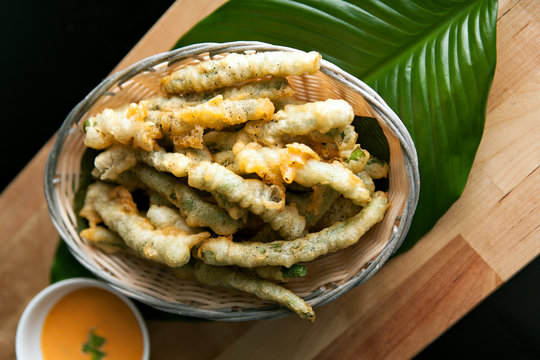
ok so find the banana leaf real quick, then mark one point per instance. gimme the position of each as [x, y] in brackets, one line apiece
[432, 61]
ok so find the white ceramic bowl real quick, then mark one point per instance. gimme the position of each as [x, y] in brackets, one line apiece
[28, 338]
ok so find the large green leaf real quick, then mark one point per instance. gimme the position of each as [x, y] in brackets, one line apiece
[431, 60]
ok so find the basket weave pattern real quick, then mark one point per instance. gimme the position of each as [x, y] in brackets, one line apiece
[328, 276]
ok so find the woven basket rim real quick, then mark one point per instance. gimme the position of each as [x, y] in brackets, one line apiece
[273, 311]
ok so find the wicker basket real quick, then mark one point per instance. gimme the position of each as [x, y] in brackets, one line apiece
[328, 277]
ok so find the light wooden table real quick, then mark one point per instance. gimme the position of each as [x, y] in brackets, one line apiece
[487, 236]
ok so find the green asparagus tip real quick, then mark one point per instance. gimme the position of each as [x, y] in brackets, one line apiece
[294, 271]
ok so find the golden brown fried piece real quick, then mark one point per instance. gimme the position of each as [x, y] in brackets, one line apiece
[293, 120]
[185, 126]
[128, 125]
[223, 251]
[272, 89]
[254, 195]
[237, 68]
[196, 211]
[116, 208]
[233, 279]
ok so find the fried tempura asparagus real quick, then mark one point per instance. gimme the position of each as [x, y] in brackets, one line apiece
[376, 168]
[117, 159]
[233, 279]
[223, 251]
[298, 163]
[116, 208]
[368, 181]
[272, 89]
[104, 239]
[217, 114]
[304, 204]
[127, 125]
[296, 120]
[185, 126]
[219, 140]
[341, 210]
[161, 216]
[266, 201]
[196, 211]
[236, 68]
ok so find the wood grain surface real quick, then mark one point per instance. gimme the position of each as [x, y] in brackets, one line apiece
[487, 236]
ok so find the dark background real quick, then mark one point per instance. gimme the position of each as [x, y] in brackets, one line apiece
[55, 52]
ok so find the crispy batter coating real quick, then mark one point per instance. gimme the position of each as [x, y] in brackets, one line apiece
[114, 161]
[233, 279]
[220, 140]
[272, 89]
[321, 116]
[162, 216]
[376, 169]
[117, 159]
[254, 195]
[223, 251]
[126, 126]
[304, 203]
[217, 114]
[340, 210]
[174, 163]
[196, 211]
[104, 239]
[248, 193]
[116, 208]
[185, 126]
[368, 181]
[298, 163]
[236, 68]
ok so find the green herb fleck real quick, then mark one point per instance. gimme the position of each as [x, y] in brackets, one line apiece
[342, 135]
[294, 271]
[357, 154]
[86, 125]
[93, 345]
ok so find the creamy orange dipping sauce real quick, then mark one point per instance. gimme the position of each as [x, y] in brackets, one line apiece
[68, 325]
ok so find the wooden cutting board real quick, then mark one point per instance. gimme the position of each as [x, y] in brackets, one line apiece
[486, 237]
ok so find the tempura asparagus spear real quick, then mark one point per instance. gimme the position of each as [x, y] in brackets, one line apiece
[233, 279]
[117, 159]
[376, 168]
[223, 251]
[161, 216]
[272, 89]
[127, 125]
[296, 120]
[237, 68]
[304, 204]
[104, 239]
[116, 208]
[216, 114]
[298, 163]
[196, 211]
[254, 195]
